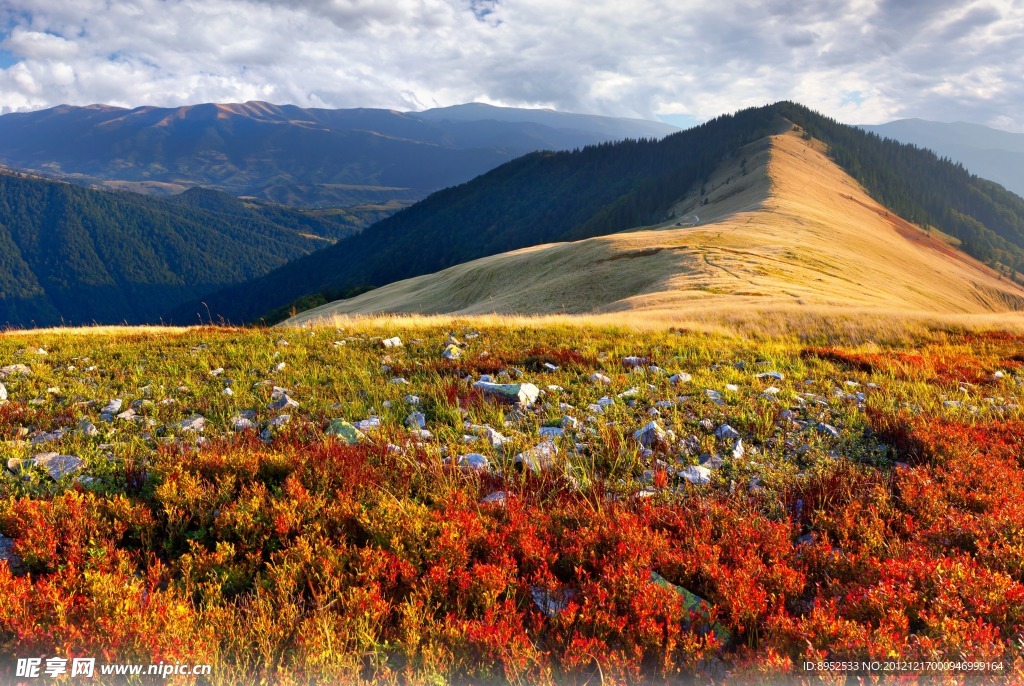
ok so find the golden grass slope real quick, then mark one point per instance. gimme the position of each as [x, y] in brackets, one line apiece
[787, 231]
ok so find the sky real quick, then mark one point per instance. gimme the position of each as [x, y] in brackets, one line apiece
[681, 61]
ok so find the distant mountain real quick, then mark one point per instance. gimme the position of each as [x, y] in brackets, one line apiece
[989, 153]
[80, 256]
[548, 197]
[290, 155]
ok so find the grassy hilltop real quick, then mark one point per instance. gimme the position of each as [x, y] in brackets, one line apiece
[794, 500]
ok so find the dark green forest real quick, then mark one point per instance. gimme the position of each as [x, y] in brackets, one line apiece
[545, 197]
[79, 256]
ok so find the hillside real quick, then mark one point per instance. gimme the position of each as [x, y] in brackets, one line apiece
[79, 256]
[557, 197]
[990, 153]
[783, 228]
[290, 155]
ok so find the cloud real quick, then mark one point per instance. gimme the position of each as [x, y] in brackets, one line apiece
[861, 61]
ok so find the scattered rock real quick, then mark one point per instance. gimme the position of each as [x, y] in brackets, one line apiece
[680, 378]
[7, 555]
[633, 361]
[57, 466]
[283, 402]
[395, 342]
[3, 393]
[537, 459]
[778, 376]
[651, 435]
[474, 461]
[368, 424]
[828, 429]
[14, 370]
[194, 424]
[696, 475]
[551, 603]
[726, 432]
[416, 420]
[523, 393]
[346, 432]
[496, 498]
[600, 378]
[451, 352]
[87, 428]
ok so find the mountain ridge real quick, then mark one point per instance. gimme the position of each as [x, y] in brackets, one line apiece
[787, 229]
[543, 198]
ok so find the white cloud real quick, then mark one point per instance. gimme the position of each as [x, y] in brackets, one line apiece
[861, 61]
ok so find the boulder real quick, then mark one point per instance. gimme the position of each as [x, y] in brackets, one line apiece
[283, 402]
[194, 424]
[537, 459]
[474, 461]
[395, 342]
[345, 432]
[696, 475]
[57, 466]
[14, 370]
[523, 393]
[416, 420]
[651, 435]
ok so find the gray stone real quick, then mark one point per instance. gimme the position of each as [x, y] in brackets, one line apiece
[395, 342]
[537, 459]
[194, 424]
[87, 428]
[113, 407]
[551, 432]
[416, 420]
[651, 435]
[496, 498]
[368, 424]
[14, 370]
[828, 429]
[600, 378]
[633, 361]
[725, 432]
[3, 393]
[778, 376]
[57, 466]
[680, 378]
[523, 393]
[451, 352]
[696, 475]
[474, 461]
[283, 402]
[7, 555]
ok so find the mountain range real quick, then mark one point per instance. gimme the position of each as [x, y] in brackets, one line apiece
[570, 196]
[774, 204]
[990, 153]
[293, 156]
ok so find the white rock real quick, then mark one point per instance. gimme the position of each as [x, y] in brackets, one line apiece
[474, 461]
[537, 459]
[680, 378]
[600, 378]
[416, 420]
[395, 342]
[194, 424]
[778, 376]
[3, 393]
[368, 424]
[696, 475]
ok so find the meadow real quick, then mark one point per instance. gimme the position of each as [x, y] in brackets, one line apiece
[329, 505]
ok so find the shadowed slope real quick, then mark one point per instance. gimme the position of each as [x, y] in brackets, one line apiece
[786, 228]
